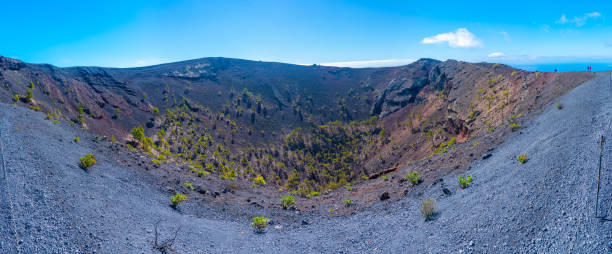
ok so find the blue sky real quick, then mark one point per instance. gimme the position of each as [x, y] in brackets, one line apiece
[348, 33]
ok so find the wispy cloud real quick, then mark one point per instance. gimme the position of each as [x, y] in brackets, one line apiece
[578, 21]
[371, 63]
[506, 37]
[461, 38]
[496, 54]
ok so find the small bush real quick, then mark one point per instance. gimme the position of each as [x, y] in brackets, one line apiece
[287, 201]
[138, 133]
[202, 173]
[177, 199]
[464, 182]
[313, 194]
[259, 181]
[384, 177]
[349, 187]
[428, 208]
[88, 161]
[414, 177]
[188, 185]
[76, 139]
[260, 223]
[35, 108]
[559, 106]
[515, 126]
[522, 158]
[348, 202]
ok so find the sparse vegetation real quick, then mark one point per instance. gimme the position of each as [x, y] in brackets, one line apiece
[348, 202]
[77, 139]
[88, 161]
[559, 106]
[428, 208]
[522, 158]
[188, 185]
[414, 177]
[260, 223]
[177, 199]
[464, 182]
[287, 201]
[259, 181]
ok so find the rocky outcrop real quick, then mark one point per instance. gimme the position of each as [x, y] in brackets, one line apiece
[405, 84]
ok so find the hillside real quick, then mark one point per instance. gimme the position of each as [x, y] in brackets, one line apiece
[304, 129]
[544, 205]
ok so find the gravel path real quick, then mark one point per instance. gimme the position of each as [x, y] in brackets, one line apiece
[546, 205]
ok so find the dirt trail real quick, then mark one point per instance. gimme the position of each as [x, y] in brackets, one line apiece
[543, 206]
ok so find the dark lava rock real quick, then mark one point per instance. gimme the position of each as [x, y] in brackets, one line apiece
[486, 156]
[439, 180]
[446, 191]
[200, 190]
[384, 196]
[305, 222]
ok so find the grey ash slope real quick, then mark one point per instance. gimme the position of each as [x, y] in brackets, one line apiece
[543, 206]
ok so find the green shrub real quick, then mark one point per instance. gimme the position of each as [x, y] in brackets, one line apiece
[287, 201]
[259, 181]
[384, 177]
[312, 194]
[348, 202]
[522, 158]
[35, 108]
[515, 126]
[349, 187]
[188, 185]
[464, 182]
[414, 177]
[29, 96]
[177, 198]
[76, 139]
[88, 161]
[202, 173]
[428, 208]
[260, 223]
[138, 133]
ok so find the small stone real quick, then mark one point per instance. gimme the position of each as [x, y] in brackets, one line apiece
[384, 196]
[305, 222]
[446, 191]
[486, 156]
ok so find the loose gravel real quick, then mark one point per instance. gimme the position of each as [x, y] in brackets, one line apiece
[546, 205]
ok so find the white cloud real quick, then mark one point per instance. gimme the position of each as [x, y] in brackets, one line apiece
[562, 19]
[461, 38]
[506, 37]
[578, 21]
[593, 15]
[371, 63]
[496, 54]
